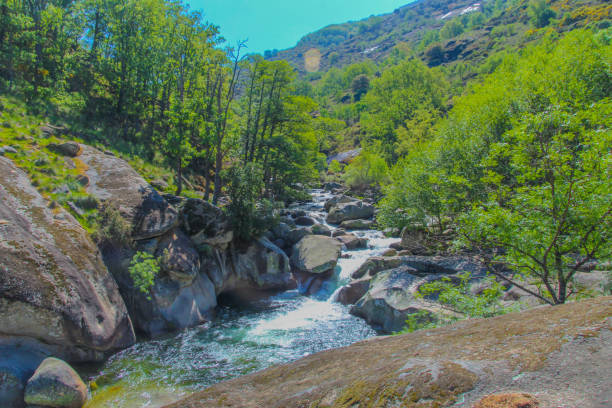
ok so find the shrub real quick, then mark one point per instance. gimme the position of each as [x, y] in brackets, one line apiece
[143, 270]
[111, 227]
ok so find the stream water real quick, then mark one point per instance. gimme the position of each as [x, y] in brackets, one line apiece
[239, 341]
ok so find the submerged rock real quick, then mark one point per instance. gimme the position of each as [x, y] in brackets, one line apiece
[56, 294]
[316, 254]
[56, 384]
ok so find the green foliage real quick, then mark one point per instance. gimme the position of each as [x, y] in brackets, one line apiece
[365, 170]
[523, 160]
[143, 269]
[110, 226]
[455, 294]
[540, 13]
[400, 103]
[453, 28]
[250, 214]
[360, 86]
[335, 167]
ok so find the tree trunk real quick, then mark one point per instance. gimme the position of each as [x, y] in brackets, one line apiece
[179, 177]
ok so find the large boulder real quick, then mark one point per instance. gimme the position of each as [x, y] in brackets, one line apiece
[56, 294]
[70, 149]
[316, 254]
[391, 298]
[350, 211]
[181, 295]
[56, 384]
[113, 179]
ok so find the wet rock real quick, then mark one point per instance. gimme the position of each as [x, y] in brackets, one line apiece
[320, 229]
[281, 231]
[351, 293]
[316, 254]
[112, 179]
[297, 234]
[352, 242]
[331, 186]
[350, 211]
[357, 225]
[341, 199]
[70, 149]
[56, 384]
[54, 286]
[304, 221]
[338, 232]
[390, 252]
[376, 264]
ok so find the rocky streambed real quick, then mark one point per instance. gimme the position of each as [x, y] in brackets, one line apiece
[322, 279]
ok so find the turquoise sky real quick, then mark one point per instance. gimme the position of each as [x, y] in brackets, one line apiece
[279, 24]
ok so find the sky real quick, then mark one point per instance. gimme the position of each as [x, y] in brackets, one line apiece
[279, 24]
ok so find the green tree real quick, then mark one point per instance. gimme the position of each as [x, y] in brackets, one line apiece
[360, 86]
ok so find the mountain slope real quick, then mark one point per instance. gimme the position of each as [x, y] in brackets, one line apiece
[419, 25]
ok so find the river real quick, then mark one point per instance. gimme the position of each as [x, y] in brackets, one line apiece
[240, 340]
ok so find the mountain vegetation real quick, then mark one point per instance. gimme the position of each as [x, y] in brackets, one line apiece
[491, 119]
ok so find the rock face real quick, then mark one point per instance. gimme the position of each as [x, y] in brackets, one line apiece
[391, 298]
[55, 292]
[56, 384]
[350, 211]
[539, 351]
[316, 254]
[111, 178]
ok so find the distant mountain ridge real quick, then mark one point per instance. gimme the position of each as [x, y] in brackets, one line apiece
[372, 38]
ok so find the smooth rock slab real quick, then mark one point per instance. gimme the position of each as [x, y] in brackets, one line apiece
[56, 384]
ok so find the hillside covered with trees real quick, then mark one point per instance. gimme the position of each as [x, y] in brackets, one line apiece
[200, 213]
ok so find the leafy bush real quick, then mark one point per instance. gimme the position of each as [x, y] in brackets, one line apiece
[143, 269]
[456, 296]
